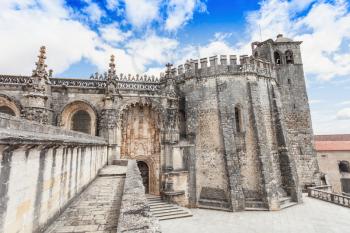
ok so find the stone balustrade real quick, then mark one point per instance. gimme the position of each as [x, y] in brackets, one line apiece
[324, 193]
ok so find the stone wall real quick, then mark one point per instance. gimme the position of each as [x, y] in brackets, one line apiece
[135, 212]
[42, 169]
[329, 165]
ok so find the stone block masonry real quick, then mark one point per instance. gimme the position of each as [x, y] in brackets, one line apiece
[42, 169]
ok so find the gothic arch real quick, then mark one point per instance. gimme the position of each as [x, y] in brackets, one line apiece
[10, 106]
[71, 113]
[142, 102]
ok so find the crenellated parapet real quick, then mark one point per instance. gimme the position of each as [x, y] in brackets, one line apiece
[224, 65]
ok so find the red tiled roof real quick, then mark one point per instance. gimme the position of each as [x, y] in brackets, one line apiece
[338, 142]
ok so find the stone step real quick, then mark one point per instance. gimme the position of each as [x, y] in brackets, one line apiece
[257, 204]
[285, 200]
[165, 211]
[214, 208]
[162, 206]
[255, 209]
[287, 205]
[159, 205]
[213, 204]
[174, 216]
[170, 213]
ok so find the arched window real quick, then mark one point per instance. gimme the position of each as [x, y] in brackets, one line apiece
[256, 54]
[344, 166]
[7, 110]
[289, 57]
[81, 121]
[238, 119]
[277, 57]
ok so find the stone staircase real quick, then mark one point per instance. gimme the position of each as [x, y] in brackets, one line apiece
[165, 211]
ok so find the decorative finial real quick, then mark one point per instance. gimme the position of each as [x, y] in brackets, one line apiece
[168, 69]
[111, 71]
[40, 70]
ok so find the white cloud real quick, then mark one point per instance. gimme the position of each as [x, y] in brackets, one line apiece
[142, 12]
[94, 12]
[151, 49]
[112, 33]
[179, 12]
[343, 114]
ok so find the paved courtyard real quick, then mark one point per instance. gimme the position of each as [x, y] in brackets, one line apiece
[97, 208]
[313, 216]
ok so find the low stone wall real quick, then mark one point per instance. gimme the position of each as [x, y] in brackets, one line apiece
[42, 169]
[135, 213]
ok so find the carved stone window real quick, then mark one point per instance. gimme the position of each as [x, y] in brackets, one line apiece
[344, 166]
[7, 110]
[81, 121]
[289, 57]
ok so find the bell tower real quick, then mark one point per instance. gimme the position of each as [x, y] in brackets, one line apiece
[285, 54]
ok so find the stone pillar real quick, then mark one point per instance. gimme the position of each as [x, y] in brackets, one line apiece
[108, 128]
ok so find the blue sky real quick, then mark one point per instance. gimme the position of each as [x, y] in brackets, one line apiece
[80, 35]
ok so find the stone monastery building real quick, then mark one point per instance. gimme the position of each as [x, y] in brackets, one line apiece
[227, 132]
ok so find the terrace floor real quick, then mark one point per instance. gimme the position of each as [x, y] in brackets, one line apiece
[313, 216]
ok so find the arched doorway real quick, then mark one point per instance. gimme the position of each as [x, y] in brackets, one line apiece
[140, 140]
[144, 170]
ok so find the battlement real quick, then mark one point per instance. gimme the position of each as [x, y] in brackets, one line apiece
[223, 64]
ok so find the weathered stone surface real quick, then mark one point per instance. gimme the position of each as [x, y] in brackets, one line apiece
[240, 125]
[134, 213]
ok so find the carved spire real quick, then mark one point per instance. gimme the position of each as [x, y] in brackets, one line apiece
[111, 70]
[40, 70]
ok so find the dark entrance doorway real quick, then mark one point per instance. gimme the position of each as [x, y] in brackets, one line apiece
[144, 174]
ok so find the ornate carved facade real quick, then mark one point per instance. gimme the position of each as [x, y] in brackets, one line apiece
[232, 134]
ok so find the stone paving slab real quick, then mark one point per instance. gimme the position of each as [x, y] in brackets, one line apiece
[313, 216]
[95, 210]
[113, 170]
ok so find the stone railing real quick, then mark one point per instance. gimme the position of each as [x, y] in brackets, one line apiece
[14, 80]
[135, 213]
[42, 169]
[82, 83]
[324, 193]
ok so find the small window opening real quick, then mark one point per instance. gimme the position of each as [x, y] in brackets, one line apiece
[289, 82]
[81, 121]
[277, 57]
[289, 57]
[238, 119]
[344, 166]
